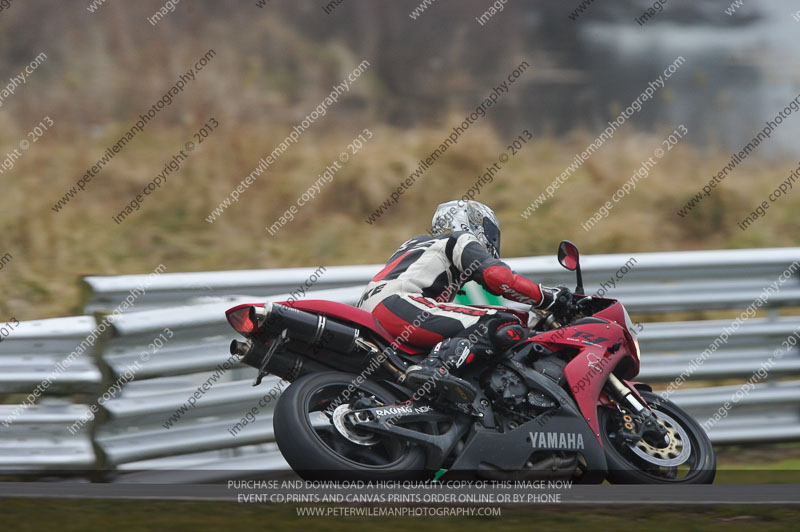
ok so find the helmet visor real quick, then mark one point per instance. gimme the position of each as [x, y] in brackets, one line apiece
[492, 233]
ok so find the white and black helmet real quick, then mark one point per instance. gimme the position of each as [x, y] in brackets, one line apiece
[470, 216]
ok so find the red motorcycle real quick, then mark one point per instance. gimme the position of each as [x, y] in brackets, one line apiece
[559, 405]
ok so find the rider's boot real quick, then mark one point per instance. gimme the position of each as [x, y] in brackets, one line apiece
[435, 374]
[433, 377]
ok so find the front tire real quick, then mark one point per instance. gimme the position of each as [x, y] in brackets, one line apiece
[317, 450]
[690, 459]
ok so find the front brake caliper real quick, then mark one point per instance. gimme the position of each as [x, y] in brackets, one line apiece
[628, 432]
[634, 428]
[656, 431]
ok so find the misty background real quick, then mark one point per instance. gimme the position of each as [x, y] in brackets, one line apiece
[274, 64]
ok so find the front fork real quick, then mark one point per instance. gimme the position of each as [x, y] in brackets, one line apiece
[649, 425]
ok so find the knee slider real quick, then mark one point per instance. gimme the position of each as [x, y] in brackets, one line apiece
[508, 335]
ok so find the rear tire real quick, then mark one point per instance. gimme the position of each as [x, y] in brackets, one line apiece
[315, 448]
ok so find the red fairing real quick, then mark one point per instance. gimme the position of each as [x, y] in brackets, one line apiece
[340, 311]
[503, 281]
[588, 371]
[616, 314]
[587, 375]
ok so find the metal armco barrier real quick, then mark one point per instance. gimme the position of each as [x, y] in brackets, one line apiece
[136, 432]
[657, 282]
[133, 431]
[37, 436]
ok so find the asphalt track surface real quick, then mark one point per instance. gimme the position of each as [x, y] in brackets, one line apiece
[783, 494]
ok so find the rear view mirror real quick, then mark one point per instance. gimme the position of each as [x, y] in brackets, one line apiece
[569, 258]
[568, 255]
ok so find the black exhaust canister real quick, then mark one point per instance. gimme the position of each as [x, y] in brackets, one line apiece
[311, 329]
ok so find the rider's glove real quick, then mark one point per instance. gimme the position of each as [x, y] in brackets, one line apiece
[556, 300]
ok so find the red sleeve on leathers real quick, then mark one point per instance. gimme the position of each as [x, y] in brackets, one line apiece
[502, 281]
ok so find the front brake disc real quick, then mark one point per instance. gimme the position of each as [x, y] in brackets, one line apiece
[674, 454]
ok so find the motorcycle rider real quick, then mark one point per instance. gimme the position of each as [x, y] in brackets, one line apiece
[412, 297]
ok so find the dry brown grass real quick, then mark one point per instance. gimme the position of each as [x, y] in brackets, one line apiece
[51, 250]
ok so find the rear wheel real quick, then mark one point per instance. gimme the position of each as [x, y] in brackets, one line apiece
[322, 444]
[686, 458]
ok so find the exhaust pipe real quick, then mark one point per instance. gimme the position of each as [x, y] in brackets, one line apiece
[315, 343]
[288, 365]
[314, 330]
[239, 349]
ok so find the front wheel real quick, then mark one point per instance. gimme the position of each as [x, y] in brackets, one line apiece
[315, 437]
[686, 458]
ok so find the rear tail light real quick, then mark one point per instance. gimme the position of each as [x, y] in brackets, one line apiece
[241, 319]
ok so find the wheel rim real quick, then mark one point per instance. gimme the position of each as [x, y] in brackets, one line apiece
[361, 449]
[680, 461]
[340, 421]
